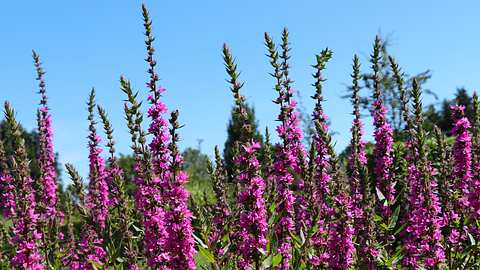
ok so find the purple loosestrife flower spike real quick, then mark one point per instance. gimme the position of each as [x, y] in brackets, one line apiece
[475, 196]
[362, 199]
[8, 204]
[180, 233]
[287, 152]
[97, 200]
[321, 160]
[221, 209]
[153, 180]
[118, 196]
[357, 156]
[462, 155]
[340, 231]
[46, 154]
[25, 233]
[321, 175]
[253, 214]
[383, 137]
[422, 236]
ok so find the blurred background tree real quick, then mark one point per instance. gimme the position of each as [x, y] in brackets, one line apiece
[234, 131]
[31, 144]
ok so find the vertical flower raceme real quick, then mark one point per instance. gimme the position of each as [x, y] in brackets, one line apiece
[340, 230]
[89, 248]
[46, 157]
[462, 155]
[221, 209]
[475, 188]
[154, 181]
[321, 175]
[251, 203]
[88, 251]
[362, 199]
[287, 152]
[357, 145]
[465, 198]
[180, 233]
[383, 135]
[118, 198]
[422, 236]
[7, 187]
[25, 228]
[97, 200]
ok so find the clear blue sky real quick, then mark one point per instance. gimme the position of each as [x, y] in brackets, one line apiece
[90, 43]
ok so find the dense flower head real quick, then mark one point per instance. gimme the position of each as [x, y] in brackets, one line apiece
[287, 154]
[180, 243]
[149, 195]
[357, 158]
[159, 130]
[47, 164]
[462, 155]
[341, 232]
[383, 135]
[180, 240]
[113, 172]
[25, 232]
[7, 195]
[97, 199]
[253, 214]
[88, 251]
[423, 234]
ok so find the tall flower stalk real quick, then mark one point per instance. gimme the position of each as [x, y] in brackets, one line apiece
[180, 233]
[422, 236]
[97, 200]
[46, 154]
[89, 249]
[383, 135]
[362, 199]
[321, 175]
[250, 200]
[288, 151]
[7, 187]
[26, 235]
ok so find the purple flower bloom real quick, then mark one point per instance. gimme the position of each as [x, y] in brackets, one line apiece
[88, 251]
[422, 236]
[341, 231]
[286, 161]
[462, 155]
[7, 195]
[47, 164]
[180, 233]
[25, 232]
[253, 221]
[150, 194]
[97, 200]
[383, 156]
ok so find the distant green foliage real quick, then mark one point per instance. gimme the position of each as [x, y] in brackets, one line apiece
[234, 132]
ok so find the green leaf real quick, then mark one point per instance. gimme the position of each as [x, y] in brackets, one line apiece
[206, 254]
[394, 218]
[277, 259]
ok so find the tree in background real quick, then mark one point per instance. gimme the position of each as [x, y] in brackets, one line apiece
[442, 117]
[235, 129]
[390, 93]
[194, 163]
[199, 183]
[32, 147]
